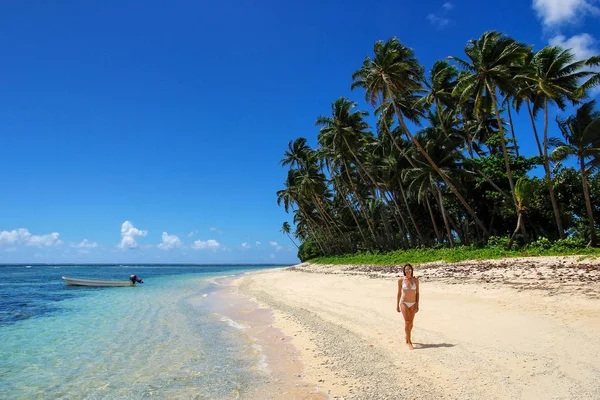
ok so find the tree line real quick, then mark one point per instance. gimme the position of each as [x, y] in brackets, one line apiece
[458, 179]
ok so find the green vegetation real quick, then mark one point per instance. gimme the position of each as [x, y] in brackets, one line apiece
[496, 249]
[439, 175]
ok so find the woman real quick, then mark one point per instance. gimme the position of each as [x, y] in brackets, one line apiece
[407, 300]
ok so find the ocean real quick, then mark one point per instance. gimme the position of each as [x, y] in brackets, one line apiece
[157, 340]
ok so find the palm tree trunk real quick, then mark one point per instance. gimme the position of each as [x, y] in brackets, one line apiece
[327, 219]
[461, 235]
[396, 215]
[512, 130]
[535, 132]
[557, 215]
[359, 200]
[503, 144]
[435, 227]
[517, 229]
[435, 167]
[354, 217]
[326, 228]
[292, 240]
[387, 227]
[410, 214]
[444, 216]
[361, 168]
[406, 233]
[492, 183]
[588, 204]
[352, 210]
[317, 241]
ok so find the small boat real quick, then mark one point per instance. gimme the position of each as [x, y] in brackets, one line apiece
[97, 282]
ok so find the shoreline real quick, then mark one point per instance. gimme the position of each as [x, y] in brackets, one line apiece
[514, 328]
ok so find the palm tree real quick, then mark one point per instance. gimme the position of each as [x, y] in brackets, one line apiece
[524, 193]
[395, 75]
[492, 60]
[439, 88]
[296, 154]
[552, 76]
[340, 140]
[287, 229]
[346, 131]
[582, 140]
[594, 80]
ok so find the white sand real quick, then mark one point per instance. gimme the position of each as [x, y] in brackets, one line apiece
[477, 338]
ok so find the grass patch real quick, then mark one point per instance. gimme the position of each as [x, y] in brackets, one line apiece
[463, 253]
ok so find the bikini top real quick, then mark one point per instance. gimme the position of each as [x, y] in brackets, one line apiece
[404, 287]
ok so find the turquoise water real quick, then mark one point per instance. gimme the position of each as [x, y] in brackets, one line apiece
[155, 340]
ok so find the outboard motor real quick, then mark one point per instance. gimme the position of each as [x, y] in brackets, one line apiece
[135, 279]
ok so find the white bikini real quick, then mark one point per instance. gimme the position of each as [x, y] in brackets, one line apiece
[406, 289]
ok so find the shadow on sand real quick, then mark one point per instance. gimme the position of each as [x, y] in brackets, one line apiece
[418, 346]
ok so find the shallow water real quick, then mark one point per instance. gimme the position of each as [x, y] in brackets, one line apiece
[158, 339]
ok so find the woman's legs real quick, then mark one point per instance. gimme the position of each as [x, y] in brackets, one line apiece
[408, 316]
[412, 312]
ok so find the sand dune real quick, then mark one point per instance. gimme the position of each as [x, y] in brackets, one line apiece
[497, 331]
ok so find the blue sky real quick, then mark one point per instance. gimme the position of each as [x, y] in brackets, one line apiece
[152, 131]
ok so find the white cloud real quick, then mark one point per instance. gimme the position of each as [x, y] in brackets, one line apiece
[10, 237]
[245, 245]
[440, 18]
[129, 235]
[209, 244]
[169, 242]
[582, 45]
[23, 236]
[437, 20]
[257, 243]
[557, 12]
[192, 233]
[213, 229]
[84, 244]
[276, 245]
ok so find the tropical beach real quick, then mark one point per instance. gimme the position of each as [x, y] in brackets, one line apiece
[509, 329]
[300, 200]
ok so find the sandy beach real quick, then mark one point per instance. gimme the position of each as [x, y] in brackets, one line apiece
[505, 329]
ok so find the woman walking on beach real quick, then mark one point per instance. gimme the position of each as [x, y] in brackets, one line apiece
[407, 300]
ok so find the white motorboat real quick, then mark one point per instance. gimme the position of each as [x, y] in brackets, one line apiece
[97, 282]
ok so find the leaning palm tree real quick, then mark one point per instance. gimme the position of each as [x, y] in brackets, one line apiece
[553, 77]
[285, 228]
[524, 193]
[394, 75]
[582, 140]
[346, 132]
[493, 58]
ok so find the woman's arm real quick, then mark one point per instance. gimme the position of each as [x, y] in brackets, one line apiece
[417, 298]
[399, 295]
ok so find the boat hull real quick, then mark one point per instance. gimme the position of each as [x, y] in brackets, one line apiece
[97, 282]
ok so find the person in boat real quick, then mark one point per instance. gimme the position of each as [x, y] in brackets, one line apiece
[407, 301]
[134, 279]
